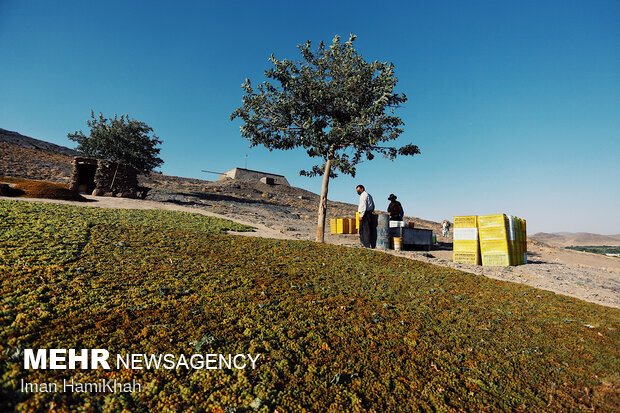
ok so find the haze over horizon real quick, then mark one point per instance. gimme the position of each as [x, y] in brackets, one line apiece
[514, 106]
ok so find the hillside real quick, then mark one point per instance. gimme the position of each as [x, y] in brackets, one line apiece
[568, 239]
[27, 142]
[25, 157]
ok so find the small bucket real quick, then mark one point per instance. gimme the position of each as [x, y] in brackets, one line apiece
[398, 243]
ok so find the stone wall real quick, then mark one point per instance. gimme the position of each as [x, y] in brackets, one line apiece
[101, 177]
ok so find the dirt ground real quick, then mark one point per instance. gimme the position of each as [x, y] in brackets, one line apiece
[288, 213]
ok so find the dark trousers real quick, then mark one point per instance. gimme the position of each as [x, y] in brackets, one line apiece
[368, 230]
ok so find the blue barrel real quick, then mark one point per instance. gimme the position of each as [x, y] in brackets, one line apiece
[383, 232]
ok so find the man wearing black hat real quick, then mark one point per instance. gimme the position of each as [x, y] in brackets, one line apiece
[395, 209]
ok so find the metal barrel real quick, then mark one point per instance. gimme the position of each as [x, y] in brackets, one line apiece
[383, 232]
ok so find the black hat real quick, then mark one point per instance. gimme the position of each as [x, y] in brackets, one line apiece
[392, 197]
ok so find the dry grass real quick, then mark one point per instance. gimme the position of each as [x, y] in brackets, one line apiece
[29, 188]
[12, 180]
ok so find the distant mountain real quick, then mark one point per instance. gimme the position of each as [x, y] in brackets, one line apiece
[15, 138]
[567, 239]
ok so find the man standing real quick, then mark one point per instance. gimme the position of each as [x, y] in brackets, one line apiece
[445, 228]
[395, 209]
[365, 209]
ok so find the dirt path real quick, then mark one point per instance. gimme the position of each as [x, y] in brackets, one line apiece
[590, 277]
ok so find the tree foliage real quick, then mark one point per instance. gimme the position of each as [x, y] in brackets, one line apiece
[334, 104]
[121, 140]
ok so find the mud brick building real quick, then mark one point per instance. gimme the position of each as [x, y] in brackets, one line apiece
[250, 175]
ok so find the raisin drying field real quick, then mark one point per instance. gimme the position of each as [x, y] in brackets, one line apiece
[338, 329]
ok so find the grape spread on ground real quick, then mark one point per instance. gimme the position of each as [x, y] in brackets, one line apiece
[338, 329]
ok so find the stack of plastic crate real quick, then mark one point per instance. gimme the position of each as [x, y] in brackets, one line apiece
[499, 240]
[496, 246]
[466, 245]
[519, 240]
[524, 240]
[342, 226]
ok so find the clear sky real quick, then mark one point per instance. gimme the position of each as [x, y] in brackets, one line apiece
[514, 105]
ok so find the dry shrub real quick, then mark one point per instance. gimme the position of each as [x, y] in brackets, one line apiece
[12, 180]
[40, 189]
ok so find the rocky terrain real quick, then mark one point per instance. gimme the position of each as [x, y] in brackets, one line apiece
[279, 211]
[27, 142]
[25, 157]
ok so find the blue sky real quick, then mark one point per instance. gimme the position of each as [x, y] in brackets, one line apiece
[514, 105]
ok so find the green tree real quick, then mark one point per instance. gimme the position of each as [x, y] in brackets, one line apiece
[121, 140]
[333, 103]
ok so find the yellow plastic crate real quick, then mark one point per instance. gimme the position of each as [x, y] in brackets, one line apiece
[340, 226]
[357, 221]
[465, 245]
[519, 240]
[496, 252]
[524, 232]
[496, 248]
[352, 226]
[523, 241]
[472, 258]
[519, 252]
[487, 233]
[497, 259]
[497, 220]
[470, 221]
[465, 241]
[494, 245]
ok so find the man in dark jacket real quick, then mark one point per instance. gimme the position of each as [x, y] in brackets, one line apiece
[395, 209]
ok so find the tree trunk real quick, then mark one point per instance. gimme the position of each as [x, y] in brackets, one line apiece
[320, 229]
